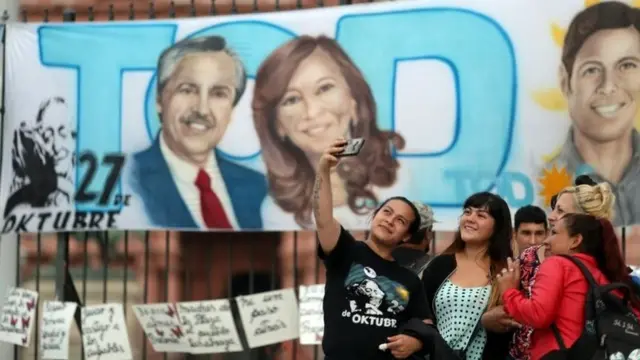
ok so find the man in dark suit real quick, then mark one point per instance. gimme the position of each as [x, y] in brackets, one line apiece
[182, 180]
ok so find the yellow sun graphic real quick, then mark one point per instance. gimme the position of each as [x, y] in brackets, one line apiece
[403, 293]
[552, 99]
[552, 182]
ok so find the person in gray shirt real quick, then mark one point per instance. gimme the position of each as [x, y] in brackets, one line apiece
[600, 78]
[414, 254]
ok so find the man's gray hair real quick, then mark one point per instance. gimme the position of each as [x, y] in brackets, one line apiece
[171, 57]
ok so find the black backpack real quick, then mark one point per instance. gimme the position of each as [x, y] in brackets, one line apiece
[611, 330]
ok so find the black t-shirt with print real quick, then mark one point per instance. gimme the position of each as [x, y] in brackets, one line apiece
[367, 299]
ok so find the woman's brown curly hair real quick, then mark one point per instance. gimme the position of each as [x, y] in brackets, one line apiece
[289, 171]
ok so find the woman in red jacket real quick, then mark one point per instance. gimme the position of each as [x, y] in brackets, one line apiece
[558, 295]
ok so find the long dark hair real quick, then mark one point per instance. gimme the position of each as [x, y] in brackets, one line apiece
[500, 243]
[599, 240]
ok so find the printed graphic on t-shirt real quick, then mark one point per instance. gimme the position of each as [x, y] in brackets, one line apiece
[635, 355]
[373, 300]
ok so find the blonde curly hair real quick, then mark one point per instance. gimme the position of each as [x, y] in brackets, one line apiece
[595, 200]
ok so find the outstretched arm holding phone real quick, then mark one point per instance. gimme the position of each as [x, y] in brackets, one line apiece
[328, 228]
[395, 220]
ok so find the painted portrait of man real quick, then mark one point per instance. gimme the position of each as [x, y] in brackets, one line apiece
[43, 159]
[308, 92]
[182, 179]
[600, 79]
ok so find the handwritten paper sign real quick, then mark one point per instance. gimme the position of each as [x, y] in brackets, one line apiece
[56, 322]
[17, 317]
[162, 327]
[311, 314]
[209, 326]
[270, 317]
[104, 333]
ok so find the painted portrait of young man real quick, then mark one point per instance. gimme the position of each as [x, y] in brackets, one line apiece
[600, 79]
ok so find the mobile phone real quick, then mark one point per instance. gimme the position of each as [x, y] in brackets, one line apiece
[353, 147]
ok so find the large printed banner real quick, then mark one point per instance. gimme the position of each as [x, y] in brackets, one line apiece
[217, 123]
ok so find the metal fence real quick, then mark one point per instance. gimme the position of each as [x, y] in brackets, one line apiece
[137, 267]
[130, 268]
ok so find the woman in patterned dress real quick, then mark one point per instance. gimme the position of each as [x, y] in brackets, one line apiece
[459, 283]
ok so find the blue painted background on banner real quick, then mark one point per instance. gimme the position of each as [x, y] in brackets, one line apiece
[475, 159]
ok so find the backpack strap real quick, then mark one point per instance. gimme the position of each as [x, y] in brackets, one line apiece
[587, 274]
[556, 334]
[623, 288]
[592, 283]
[596, 291]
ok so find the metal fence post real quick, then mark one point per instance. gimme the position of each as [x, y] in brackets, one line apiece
[9, 244]
[9, 270]
[623, 240]
[65, 288]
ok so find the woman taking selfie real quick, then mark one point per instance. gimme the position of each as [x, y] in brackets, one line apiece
[558, 295]
[460, 283]
[368, 295]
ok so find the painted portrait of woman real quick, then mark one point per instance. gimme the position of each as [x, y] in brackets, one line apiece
[308, 93]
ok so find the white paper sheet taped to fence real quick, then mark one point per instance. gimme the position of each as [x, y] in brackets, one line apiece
[209, 327]
[161, 325]
[269, 317]
[104, 333]
[17, 316]
[311, 314]
[56, 325]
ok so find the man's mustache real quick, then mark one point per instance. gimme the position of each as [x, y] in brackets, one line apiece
[197, 118]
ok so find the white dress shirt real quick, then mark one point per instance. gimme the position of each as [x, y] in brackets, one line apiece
[184, 176]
